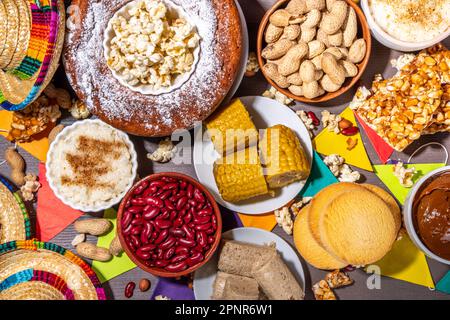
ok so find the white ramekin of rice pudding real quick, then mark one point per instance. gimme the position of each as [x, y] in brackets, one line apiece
[408, 25]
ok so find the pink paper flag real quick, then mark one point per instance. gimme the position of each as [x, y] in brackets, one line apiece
[52, 215]
[383, 150]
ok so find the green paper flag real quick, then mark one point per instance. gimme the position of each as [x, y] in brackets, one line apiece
[444, 284]
[319, 178]
[117, 265]
[386, 175]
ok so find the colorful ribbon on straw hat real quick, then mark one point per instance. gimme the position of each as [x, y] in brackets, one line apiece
[46, 31]
[42, 270]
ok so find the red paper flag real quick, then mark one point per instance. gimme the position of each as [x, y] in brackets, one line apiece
[53, 216]
[383, 150]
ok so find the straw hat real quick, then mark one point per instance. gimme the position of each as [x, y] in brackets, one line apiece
[12, 17]
[39, 270]
[14, 222]
[22, 85]
[23, 37]
[309, 248]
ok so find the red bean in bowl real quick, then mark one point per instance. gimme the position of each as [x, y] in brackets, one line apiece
[169, 224]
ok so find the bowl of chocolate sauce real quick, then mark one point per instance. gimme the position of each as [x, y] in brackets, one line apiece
[427, 214]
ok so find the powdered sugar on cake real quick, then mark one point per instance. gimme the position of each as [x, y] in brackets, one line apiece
[119, 103]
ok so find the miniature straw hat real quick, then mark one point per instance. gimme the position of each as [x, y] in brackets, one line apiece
[34, 39]
[14, 221]
[33, 270]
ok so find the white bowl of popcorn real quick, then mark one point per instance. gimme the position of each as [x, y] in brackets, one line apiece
[151, 46]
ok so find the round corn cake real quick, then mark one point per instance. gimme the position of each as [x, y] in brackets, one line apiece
[153, 115]
[309, 248]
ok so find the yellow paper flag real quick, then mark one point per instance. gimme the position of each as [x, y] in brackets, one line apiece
[328, 143]
[407, 263]
[117, 265]
[37, 148]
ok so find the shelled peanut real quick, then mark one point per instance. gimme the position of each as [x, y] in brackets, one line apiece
[312, 46]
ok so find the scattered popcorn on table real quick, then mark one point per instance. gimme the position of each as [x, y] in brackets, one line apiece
[404, 175]
[165, 152]
[79, 238]
[284, 219]
[79, 110]
[150, 47]
[360, 96]
[295, 208]
[342, 171]
[331, 121]
[307, 121]
[346, 174]
[402, 61]
[161, 297]
[273, 93]
[334, 162]
[30, 187]
[338, 279]
[252, 65]
[322, 291]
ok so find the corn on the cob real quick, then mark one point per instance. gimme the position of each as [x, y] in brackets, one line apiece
[283, 156]
[239, 176]
[231, 128]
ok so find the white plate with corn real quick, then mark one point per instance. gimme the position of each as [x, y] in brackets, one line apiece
[254, 155]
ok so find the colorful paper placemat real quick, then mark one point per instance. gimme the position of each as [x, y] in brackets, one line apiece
[328, 142]
[386, 175]
[407, 263]
[52, 216]
[117, 265]
[383, 150]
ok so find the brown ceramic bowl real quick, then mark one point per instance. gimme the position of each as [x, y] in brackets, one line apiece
[161, 271]
[363, 31]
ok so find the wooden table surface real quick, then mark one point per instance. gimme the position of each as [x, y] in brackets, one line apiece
[379, 63]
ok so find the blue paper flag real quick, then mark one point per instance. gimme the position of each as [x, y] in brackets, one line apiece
[319, 178]
[444, 284]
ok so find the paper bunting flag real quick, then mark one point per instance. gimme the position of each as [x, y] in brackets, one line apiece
[52, 215]
[383, 150]
[37, 148]
[444, 284]
[386, 175]
[261, 221]
[173, 289]
[117, 265]
[407, 263]
[319, 178]
[328, 142]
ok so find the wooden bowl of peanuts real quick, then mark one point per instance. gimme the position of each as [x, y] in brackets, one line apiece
[313, 50]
